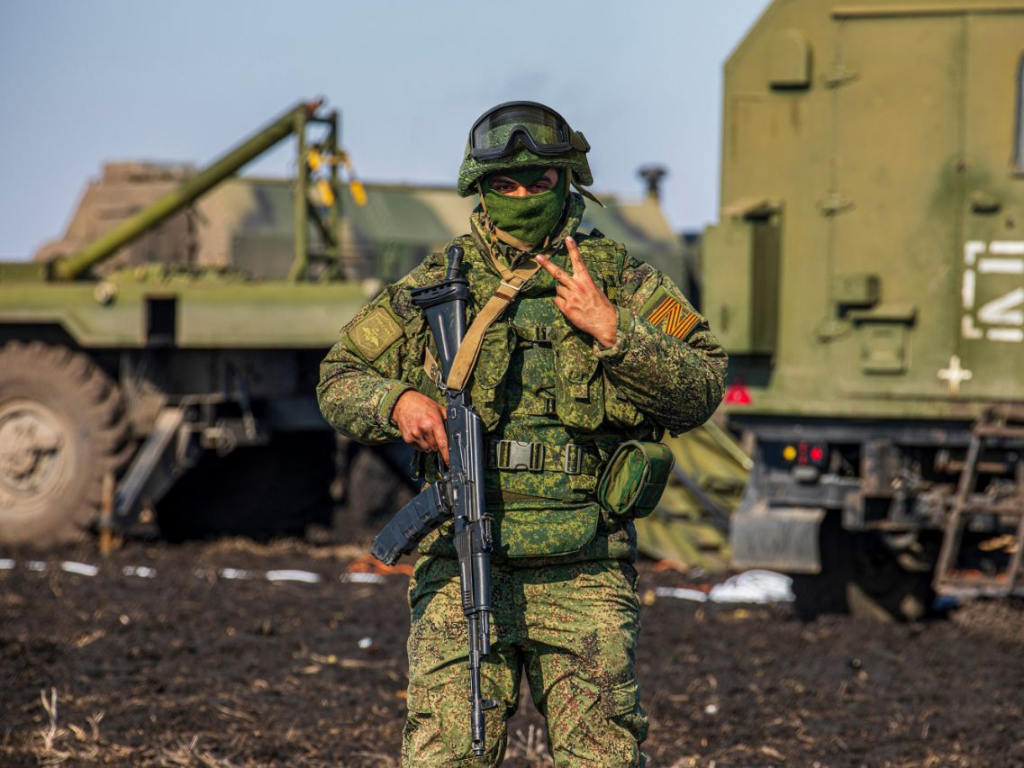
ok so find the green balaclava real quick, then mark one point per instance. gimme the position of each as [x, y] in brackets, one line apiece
[527, 219]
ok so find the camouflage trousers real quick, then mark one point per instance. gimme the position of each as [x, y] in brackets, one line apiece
[573, 629]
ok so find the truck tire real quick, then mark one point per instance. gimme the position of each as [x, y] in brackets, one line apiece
[62, 429]
[863, 577]
[881, 588]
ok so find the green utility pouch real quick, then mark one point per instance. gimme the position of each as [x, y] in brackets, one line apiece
[635, 478]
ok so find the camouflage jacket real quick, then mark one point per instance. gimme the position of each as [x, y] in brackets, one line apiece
[541, 381]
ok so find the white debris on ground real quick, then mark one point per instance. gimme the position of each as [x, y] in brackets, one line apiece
[757, 586]
[81, 569]
[230, 574]
[140, 571]
[306, 577]
[233, 573]
[362, 578]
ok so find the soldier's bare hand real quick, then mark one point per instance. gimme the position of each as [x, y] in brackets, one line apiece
[580, 300]
[421, 422]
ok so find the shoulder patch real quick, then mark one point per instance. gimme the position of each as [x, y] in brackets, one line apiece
[663, 310]
[375, 333]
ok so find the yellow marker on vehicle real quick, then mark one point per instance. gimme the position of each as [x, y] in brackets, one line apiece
[358, 192]
[323, 188]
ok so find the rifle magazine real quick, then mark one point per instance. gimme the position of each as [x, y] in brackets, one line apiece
[410, 524]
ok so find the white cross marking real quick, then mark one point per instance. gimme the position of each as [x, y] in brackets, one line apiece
[955, 374]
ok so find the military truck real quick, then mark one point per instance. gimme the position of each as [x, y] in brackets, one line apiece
[134, 373]
[867, 277]
[169, 341]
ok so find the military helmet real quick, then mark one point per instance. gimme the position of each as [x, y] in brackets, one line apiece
[518, 134]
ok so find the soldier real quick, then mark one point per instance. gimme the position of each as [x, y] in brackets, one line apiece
[595, 349]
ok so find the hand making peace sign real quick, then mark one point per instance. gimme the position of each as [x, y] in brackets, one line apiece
[580, 300]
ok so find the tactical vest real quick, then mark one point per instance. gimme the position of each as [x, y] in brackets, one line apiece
[559, 413]
[581, 397]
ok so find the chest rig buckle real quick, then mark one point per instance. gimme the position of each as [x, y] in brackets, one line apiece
[573, 459]
[514, 455]
[518, 455]
[532, 335]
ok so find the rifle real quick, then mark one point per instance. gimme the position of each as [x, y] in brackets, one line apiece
[459, 495]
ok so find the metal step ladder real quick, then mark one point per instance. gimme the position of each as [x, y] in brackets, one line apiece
[1000, 426]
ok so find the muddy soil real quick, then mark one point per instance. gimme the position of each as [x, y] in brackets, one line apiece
[193, 664]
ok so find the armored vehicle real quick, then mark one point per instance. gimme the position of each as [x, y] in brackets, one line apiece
[867, 277]
[167, 346]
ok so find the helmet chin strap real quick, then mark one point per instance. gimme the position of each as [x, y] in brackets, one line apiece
[581, 189]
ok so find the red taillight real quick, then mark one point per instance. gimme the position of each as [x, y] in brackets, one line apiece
[737, 394]
[817, 454]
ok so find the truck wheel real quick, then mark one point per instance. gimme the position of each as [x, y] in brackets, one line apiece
[884, 590]
[62, 428]
[863, 577]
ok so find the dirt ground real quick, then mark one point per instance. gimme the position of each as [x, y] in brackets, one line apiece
[193, 664]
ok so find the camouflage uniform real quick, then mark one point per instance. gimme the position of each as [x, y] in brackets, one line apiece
[564, 589]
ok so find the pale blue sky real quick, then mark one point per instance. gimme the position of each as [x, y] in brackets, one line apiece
[87, 81]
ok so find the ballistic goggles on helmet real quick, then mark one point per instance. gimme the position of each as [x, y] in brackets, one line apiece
[538, 128]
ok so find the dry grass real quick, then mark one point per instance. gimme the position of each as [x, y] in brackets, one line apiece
[72, 744]
[54, 744]
[531, 746]
[189, 753]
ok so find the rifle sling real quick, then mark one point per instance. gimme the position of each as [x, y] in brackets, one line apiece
[469, 350]
[512, 281]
